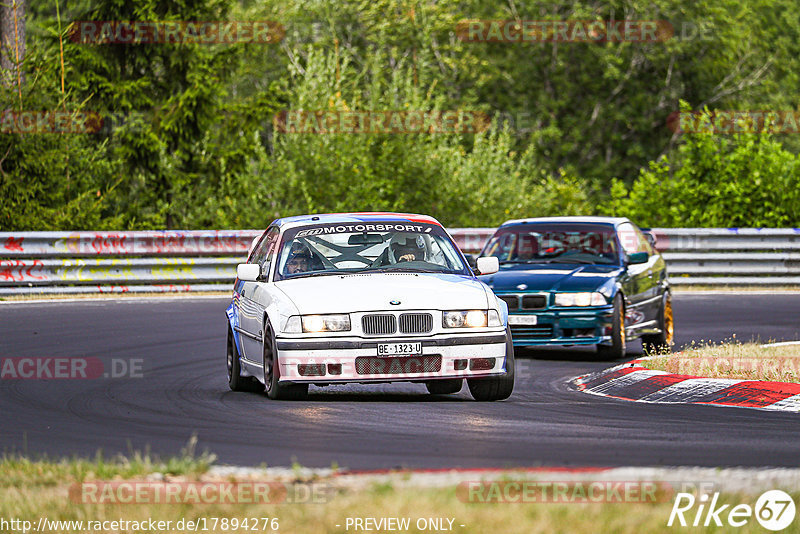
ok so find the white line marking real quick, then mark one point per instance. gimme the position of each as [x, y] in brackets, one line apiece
[626, 380]
[739, 292]
[791, 404]
[690, 390]
[95, 300]
[782, 344]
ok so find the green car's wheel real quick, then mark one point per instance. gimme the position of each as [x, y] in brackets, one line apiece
[661, 342]
[618, 344]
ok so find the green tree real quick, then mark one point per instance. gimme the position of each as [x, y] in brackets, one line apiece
[717, 181]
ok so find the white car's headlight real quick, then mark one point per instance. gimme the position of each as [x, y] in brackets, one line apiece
[580, 299]
[318, 323]
[464, 319]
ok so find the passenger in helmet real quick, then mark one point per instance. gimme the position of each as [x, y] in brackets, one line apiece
[406, 247]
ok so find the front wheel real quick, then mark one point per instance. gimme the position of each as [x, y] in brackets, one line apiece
[274, 389]
[496, 387]
[618, 345]
[661, 342]
[444, 387]
[236, 381]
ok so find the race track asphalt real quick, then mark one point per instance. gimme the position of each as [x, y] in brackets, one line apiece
[182, 392]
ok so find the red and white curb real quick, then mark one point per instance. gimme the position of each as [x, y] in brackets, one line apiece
[631, 381]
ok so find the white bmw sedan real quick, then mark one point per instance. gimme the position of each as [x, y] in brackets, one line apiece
[365, 298]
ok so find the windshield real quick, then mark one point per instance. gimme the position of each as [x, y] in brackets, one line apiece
[554, 243]
[367, 247]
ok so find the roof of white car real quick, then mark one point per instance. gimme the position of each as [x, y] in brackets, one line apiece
[601, 220]
[356, 217]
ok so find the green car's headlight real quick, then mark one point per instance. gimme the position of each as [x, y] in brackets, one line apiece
[580, 299]
[318, 323]
[464, 319]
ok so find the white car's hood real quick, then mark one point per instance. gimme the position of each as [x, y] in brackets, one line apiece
[373, 292]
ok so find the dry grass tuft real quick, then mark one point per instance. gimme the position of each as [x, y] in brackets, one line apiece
[731, 359]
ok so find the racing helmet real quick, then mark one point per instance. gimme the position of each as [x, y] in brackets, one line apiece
[299, 252]
[404, 243]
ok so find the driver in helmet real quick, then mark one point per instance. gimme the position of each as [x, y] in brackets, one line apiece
[299, 260]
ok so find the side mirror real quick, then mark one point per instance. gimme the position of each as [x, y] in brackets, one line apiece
[471, 261]
[637, 257]
[249, 272]
[488, 265]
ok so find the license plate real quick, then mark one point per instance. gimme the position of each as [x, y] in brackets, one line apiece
[399, 349]
[523, 319]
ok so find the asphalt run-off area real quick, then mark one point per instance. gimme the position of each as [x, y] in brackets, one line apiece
[173, 386]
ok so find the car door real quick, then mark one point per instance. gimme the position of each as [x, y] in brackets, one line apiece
[637, 282]
[255, 297]
[651, 283]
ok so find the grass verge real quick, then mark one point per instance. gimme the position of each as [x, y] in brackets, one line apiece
[731, 359]
[30, 490]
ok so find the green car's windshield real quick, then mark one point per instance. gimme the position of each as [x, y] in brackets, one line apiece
[554, 243]
[380, 246]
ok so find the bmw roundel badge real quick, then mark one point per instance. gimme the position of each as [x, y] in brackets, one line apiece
[394, 302]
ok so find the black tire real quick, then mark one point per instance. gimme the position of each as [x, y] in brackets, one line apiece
[497, 387]
[274, 389]
[661, 343]
[618, 342]
[444, 387]
[236, 381]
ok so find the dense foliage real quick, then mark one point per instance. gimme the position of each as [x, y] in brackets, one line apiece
[744, 180]
[577, 128]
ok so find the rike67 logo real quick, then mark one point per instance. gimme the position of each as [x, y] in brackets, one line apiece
[774, 510]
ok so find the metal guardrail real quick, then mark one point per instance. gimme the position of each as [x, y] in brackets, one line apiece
[731, 256]
[112, 244]
[169, 261]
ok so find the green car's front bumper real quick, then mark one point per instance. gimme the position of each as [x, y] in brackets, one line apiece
[563, 326]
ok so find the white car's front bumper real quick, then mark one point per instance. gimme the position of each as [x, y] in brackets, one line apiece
[354, 359]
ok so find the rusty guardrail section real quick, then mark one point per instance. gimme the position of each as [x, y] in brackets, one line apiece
[205, 260]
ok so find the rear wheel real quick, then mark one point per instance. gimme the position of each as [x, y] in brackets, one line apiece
[236, 381]
[275, 390]
[661, 342]
[618, 344]
[496, 387]
[444, 387]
